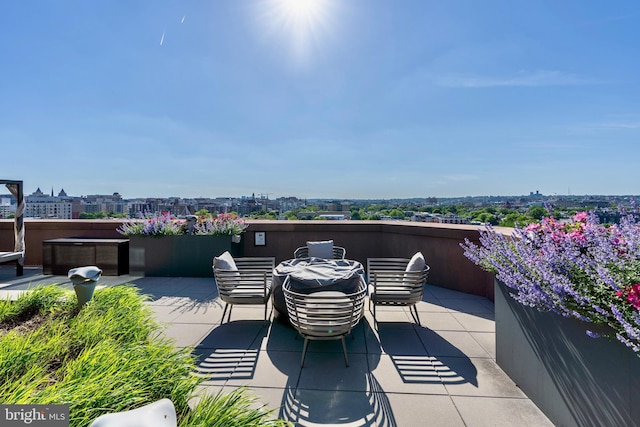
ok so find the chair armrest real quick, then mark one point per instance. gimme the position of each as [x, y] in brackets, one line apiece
[387, 264]
[243, 275]
[301, 252]
[255, 263]
[247, 280]
[339, 252]
[395, 279]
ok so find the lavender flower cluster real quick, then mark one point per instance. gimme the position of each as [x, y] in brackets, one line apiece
[165, 224]
[223, 224]
[580, 269]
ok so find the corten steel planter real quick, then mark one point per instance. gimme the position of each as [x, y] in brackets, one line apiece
[574, 379]
[177, 256]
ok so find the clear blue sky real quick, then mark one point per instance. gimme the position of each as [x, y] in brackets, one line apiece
[345, 99]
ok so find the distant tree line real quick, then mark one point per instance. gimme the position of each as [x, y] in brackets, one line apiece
[501, 216]
[101, 215]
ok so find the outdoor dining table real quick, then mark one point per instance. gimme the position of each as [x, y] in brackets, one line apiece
[308, 275]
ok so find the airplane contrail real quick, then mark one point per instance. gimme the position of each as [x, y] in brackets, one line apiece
[162, 39]
[182, 20]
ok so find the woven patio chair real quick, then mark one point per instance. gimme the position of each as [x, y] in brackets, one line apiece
[396, 282]
[324, 315]
[243, 281]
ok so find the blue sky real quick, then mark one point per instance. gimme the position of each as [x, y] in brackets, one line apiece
[345, 99]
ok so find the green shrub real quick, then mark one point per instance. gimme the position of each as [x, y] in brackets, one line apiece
[106, 357]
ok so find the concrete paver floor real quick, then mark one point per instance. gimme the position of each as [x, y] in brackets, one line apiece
[440, 373]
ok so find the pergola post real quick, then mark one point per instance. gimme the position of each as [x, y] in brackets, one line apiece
[16, 189]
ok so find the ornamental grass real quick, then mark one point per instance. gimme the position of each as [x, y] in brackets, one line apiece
[106, 357]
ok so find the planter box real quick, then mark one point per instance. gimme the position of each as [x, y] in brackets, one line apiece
[177, 256]
[575, 380]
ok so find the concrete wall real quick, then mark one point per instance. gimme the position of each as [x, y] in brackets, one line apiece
[440, 243]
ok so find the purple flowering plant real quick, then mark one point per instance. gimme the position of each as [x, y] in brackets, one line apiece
[222, 225]
[580, 269]
[166, 224]
[163, 224]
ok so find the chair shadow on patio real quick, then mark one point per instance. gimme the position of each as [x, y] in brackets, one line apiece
[184, 292]
[325, 391]
[422, 356]
[371, 408]
[230, 351]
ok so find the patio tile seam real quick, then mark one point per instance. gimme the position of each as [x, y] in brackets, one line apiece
[436, 356]
[191, 347]
[453, 402]
[209, 382]
[490, 396]
[262, 387]
[408, 393]
[492, 357]
[474, 312]
[195, 323]
[332, 390]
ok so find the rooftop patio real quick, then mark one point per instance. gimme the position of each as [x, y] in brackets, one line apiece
[441, 373]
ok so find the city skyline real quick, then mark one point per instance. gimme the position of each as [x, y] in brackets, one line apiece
[321, 98]
[64, 194]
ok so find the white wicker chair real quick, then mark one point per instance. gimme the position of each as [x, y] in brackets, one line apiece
[249, 284]
[390, 284]
[324, 315]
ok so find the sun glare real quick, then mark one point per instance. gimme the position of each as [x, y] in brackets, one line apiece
[301, 24]
[300, 11]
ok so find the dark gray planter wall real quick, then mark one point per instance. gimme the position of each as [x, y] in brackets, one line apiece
[575, 380]
[177, 256]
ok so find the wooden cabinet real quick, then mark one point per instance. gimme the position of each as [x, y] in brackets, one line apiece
[61, 255]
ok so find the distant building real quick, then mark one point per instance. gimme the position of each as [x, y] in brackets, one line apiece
[334, 217]
[40, 205]
[451, 219]
[423, 217]
[290, 203]
[5, 207]
[107, 203]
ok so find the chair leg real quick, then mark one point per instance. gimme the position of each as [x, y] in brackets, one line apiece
[375, 320]
[226, 306]
[266, 319]
[304, 352]
[344, 349]
[414, 313]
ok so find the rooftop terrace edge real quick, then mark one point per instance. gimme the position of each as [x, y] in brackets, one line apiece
[440, 243]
